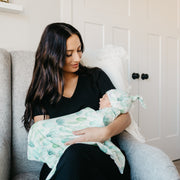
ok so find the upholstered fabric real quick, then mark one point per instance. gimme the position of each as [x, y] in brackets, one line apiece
[22, 68]
[147, 162]
[5, 113]
[27, 176]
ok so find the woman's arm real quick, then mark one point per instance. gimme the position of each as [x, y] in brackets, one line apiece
[40, 118]
[101, 134]
[118, 125]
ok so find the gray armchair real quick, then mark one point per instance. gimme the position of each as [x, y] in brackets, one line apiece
[146, 162]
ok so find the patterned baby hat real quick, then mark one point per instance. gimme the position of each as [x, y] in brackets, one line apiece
[122, 100]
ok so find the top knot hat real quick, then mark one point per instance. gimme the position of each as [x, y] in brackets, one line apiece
[122, 100]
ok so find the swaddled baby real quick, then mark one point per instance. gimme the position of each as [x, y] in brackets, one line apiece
[46, 139]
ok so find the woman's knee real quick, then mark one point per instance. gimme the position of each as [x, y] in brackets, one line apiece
[74, 159]
[75, 152]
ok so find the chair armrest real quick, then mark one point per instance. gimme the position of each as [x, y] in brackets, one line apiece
[5, 114]
[147, 162]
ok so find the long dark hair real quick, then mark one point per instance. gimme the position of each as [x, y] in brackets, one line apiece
[47, 74]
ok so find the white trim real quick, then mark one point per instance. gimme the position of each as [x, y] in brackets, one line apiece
[10, 8]
[66, 11]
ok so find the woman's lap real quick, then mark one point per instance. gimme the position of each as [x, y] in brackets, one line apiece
[83, 161]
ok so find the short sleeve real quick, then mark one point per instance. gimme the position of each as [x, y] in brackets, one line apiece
[103, 82]
[37, 111]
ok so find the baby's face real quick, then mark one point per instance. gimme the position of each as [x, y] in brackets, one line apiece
[104, 102]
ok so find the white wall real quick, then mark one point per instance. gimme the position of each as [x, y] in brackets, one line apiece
[23, 31]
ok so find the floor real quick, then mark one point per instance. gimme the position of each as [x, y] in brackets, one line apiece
[177, 164]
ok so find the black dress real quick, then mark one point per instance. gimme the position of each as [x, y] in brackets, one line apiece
[82, 161]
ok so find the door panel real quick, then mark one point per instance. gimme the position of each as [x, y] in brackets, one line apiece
[170, 94]
[108, 6]
[150, 88]
[98, 33]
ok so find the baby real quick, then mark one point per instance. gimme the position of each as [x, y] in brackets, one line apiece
[46, 139]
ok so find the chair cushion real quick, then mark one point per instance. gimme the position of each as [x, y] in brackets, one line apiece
[5, 113]
[27, 176]
[22, 69]
[147, 162]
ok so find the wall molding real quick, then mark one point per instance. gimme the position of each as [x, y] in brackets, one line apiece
[66, 11]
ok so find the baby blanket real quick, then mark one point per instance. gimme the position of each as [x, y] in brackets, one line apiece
[46, 138]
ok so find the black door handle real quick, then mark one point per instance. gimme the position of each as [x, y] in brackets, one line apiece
[144, 76]
[135, 75]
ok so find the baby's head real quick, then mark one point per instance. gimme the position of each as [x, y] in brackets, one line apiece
[112, 98]
[117, 98]
[104, 102]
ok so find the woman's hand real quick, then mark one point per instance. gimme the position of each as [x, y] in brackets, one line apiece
[101, 134]
[92, 134]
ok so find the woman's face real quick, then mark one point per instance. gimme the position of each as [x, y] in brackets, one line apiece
[73, 54]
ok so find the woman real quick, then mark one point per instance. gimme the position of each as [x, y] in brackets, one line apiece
[61, 85]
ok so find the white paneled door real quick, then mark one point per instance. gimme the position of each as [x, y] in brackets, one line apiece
[150, 31]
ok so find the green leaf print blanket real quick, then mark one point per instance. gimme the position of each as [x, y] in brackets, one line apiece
[47, 138]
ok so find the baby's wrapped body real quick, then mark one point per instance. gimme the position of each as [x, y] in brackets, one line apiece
[46, 139]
